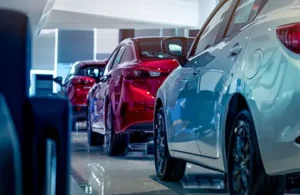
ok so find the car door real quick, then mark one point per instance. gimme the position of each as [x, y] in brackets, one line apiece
[213, 76]
[181, 136]
[184, 111]
[98, 98]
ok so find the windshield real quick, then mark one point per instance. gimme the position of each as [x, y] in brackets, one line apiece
[151, 48]
[92, 71]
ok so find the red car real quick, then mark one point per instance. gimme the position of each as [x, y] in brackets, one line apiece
[122, 103]
[80, 79]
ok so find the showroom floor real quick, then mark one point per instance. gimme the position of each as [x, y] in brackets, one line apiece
[98, 174]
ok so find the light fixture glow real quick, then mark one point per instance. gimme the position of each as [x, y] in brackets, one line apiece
[55, 60]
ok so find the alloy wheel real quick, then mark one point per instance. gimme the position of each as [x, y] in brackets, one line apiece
[160, 144]
[241, 158]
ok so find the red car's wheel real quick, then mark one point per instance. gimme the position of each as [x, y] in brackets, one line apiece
[94, 139]
[116, 144]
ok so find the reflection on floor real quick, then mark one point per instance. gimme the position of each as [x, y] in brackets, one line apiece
[133, 174]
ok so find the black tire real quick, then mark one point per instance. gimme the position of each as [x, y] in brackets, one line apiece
[167, 168]
[244, 155]
[94, 139]
[150, 148]
[116, 144]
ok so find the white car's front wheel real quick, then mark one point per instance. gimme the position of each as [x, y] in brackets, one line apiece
[246, 174]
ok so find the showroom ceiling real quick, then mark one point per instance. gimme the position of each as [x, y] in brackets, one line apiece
[76, 14]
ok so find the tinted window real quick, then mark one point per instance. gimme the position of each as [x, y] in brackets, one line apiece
[190, 43]
[246, 11]
[151, 48]
[110, 62]
[91, 71]
[119, 56]
[71, 72]
[208, 36]
[128, 55]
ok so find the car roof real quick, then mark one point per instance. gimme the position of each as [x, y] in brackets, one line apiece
[136, 39]
[81, 64]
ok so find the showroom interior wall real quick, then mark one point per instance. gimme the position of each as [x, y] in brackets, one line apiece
[54, 51]
[43, 60]
[106, 41]
[73, 46]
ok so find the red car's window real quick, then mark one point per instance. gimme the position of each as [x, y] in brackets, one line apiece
[151, 48]
[92, 71]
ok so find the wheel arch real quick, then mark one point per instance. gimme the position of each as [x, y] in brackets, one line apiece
[106, 100]
[236, 104]
[158, 104]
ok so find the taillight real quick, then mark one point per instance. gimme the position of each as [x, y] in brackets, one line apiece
[133, 73]
[289, 35]
[80, 81]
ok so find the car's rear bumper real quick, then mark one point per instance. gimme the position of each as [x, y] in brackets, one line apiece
[135, 110]
[79, 112]
[146, 127]
[134, 120]
[278, 132]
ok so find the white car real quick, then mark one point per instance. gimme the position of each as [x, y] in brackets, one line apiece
[234, 103]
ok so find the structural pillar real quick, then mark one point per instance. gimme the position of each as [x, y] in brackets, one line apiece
[75, 45]
[125, 33]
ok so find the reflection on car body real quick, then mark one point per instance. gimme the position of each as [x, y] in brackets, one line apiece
[236, 98]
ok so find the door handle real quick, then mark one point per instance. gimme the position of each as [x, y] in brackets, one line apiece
[235, 50]
[196, 72]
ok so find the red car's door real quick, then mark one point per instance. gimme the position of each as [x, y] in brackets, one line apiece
[98, 111]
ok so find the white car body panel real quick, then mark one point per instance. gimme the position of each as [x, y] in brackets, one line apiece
[266, 74]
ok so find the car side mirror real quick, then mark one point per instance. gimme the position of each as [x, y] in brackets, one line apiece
[176, 47]
[105, 60]
[58, 80]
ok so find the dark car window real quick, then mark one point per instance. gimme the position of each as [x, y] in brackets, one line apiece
[128, 55]
[151, 48]
[119, 56]
[246, 11]
[91, 71]
[208, 36]
[71, 72]
[190, 43]
[110, 62]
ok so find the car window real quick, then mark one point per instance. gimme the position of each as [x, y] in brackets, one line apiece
[208, 36]
[71, 72]
[150, 48]
[245, 12]
[110, 62]
[92, 71]
[118, 57]
[128, 55]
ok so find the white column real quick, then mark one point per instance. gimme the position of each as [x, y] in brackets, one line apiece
[95, 44]
[106, 41]
[186, 32]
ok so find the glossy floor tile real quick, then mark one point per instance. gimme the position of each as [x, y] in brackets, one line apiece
[98, 174]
